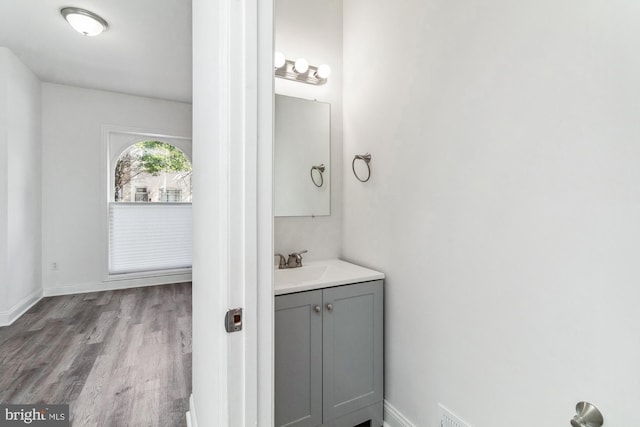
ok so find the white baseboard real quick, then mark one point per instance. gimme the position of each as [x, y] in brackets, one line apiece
[113, 285]
[10, 316]
[191, 415]
[394, 418]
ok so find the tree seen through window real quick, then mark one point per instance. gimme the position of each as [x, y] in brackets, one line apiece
[153, 171]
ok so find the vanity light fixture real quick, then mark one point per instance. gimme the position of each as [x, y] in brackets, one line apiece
[301, 66]
[323, 71]
[279, 60]
[300, 70]
[84, 21]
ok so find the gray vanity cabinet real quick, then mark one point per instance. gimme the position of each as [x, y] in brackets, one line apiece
[352, 348]
[298, 359]
[329, 356]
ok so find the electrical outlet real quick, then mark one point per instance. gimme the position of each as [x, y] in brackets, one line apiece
[55, 266]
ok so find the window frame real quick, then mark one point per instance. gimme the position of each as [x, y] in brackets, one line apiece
[115, 141]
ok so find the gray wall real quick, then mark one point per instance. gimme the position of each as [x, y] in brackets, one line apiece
[504, 205]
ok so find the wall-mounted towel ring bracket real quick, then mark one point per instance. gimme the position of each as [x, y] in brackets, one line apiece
[320, 168]
[587, 415]
[367, 159]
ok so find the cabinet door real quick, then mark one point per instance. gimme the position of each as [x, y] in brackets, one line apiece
[353, 348]
[298, 359]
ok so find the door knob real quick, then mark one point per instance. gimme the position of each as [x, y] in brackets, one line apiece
[330, 307]
[317, 308]
[587, 415]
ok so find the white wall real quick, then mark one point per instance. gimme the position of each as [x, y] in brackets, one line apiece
[73, 231]
[20, 278]
[4, 208]
[504, 204]
[313, 30]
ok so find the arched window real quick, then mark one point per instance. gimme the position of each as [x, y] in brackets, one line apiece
[152, 171]
[150, 209]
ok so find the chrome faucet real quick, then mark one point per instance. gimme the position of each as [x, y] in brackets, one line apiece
[283, 262]
[295, 259]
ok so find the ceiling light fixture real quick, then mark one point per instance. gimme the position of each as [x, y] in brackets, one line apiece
[83, 21]
[300, 70]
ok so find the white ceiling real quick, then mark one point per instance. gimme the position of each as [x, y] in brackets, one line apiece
[146, 50]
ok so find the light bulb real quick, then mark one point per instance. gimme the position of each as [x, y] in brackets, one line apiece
[323, 71]
[301, 66]
[279, 60]
[83, 21]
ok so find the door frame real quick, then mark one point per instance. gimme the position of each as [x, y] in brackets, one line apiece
[233, 212]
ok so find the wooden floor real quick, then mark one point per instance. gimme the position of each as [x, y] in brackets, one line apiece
[119, 358]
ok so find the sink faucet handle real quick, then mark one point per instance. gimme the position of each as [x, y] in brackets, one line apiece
[283, 261]
[295, 259]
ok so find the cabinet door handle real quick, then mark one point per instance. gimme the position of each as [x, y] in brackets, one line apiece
[330, 307]
[317, 308]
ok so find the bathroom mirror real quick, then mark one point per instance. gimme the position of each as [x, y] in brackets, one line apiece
[302, 157]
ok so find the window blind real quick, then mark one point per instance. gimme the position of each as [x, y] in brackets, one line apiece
[149, 237]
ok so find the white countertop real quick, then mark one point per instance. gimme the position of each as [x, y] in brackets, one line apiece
[321, 274]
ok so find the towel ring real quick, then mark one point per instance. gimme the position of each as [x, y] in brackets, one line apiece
[320, 169]
[367, 158]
